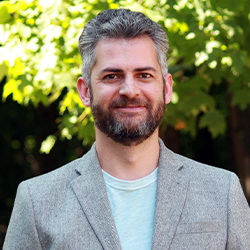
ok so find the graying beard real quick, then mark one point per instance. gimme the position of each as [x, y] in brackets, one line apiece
[118, 128]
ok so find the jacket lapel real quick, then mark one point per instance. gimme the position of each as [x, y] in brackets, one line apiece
[172, 189]
[91, 192]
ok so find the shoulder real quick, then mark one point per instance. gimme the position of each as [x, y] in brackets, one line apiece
[59, 179]
[213, 179]
[200, 174]
[201, 169]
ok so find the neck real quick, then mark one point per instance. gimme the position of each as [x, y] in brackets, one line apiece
[128, 162]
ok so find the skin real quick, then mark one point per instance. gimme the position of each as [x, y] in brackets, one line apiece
[126, 68]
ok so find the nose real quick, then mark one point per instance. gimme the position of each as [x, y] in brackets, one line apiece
[129, 87]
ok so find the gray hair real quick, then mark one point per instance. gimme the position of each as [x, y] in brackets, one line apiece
[120, 23]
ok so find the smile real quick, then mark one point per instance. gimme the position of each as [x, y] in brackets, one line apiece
[130, 108]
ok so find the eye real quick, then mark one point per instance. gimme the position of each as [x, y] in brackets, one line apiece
[145, 75]
[110, 77]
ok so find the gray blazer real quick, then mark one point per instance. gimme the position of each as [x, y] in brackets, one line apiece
[197, 207]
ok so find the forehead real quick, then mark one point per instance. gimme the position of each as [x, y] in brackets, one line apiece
[127, 53]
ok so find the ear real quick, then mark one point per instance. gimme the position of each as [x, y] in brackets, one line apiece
[83, 90]
[168, 88]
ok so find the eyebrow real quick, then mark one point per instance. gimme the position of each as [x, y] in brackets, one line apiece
[111, 70]
[144, 69]
[116, 70]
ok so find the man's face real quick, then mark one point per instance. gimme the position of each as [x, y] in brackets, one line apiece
[128, 94]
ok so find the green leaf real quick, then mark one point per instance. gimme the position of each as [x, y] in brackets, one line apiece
[11, 87]
[241, 97]
[5, 14]
[48, 144]
[214, 121]
[3, 71]
[40, 96]
[196, 102]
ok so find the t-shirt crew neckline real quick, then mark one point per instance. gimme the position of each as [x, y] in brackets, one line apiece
[130, 185]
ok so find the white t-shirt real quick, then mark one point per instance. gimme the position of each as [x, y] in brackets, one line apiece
[133, 207]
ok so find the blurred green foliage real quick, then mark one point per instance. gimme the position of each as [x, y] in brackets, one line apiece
[43, 122]
[209, 43]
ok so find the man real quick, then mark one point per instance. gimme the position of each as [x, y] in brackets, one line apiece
[129, 191]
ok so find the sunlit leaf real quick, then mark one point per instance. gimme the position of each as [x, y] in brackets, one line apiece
[10, 87]
[5, 11]
[48, 144]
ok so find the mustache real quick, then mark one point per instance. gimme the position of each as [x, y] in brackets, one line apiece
[124, 101]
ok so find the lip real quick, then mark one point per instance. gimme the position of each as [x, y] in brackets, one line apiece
[130, 108]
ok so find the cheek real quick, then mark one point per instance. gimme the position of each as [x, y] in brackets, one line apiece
[103, 96]
[154, 94]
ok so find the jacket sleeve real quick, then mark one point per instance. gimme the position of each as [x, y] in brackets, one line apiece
[238, 217]
[22, 232]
